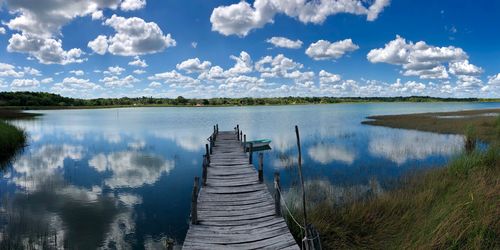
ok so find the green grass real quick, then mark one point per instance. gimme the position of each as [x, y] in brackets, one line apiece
[12, 139]
[455, 207]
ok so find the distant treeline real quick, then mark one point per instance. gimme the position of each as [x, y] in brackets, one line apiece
[31, 99]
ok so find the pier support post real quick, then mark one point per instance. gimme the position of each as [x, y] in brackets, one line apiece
[211, 144]
[277, 195]
[250, 154]
[194, 202]
[261, 167]
[245, 143]
[207, 153]
[217, 128]
[204, 174]
[238, 131]
[241, 135]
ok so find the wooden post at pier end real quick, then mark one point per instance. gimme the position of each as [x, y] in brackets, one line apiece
[205, 171]
[250, 155]
[207, 152]
[277, 194]
[194, 202]
[261, 167]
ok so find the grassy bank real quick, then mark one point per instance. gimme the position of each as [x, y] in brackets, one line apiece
[455, 207]
[483, 121]
[12, 139]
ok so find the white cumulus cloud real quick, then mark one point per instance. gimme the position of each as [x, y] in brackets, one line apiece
[45, 50]
[77, 72]
[24, 83]
[116, 70]
[494, 80]
[138, 62]
[464, 68]
[129, 5]
[284, 42]
[194, 65]
[423, 60]
[174, 77]
[73, 84]
[133, 37]
[40, 23]
[240, 18]
[9, 70]
[326, 78]
[324, 50]
[116, 82]
[99, 45]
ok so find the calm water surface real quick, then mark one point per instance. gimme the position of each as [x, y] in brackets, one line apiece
[122, 178]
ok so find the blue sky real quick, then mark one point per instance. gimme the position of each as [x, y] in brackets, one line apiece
[199, 48]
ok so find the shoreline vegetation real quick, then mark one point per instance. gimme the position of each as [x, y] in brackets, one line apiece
[482, 121]
[12, 138]
[42, 100]
[455, 207]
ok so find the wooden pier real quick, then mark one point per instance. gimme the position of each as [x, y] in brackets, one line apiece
[233, 208]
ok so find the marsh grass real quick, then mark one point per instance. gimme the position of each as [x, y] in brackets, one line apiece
[455, 207]
[449, 208]
[12, 139]
[470, 139]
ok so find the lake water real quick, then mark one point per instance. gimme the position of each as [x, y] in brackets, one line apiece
[120, 178]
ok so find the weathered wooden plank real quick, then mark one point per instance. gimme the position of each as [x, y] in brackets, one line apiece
[258, 241]
[235, 222]
[232, 212]
[239, 183]
[207, 202]
[234, 208]
[238, 217]
[244, 196]
[255, 233]
[235, 190]
[241, 228]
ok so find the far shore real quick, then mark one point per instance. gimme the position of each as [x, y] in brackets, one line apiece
[27, 108]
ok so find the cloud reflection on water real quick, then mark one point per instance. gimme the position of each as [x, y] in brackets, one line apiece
[130, 168]
[327, 153]
[403, 145]
[68, 216]
[39, 164]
